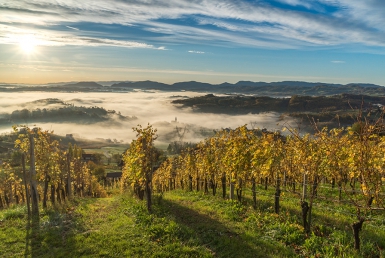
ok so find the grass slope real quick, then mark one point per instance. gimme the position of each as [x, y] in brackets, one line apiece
[182, 225]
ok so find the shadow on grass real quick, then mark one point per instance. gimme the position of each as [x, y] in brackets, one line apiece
[326, 220]
[53, 234]
[221, 240]
[32, 228]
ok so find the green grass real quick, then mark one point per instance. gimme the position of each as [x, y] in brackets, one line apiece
[118, 148]
[185, 224]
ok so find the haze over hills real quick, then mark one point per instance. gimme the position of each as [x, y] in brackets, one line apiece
[109, 109]
[284, 88]
[112, 115]
[331, 111]
[56, 110]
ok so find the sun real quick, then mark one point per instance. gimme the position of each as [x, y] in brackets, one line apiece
[28, 43]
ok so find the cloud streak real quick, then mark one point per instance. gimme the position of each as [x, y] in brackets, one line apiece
[72, 28]
[12, 35]
[256, 23]
[196, 52]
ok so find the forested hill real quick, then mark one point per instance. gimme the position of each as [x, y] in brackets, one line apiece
[58, 111]
[332, 111]
[251, 104]
[284, 88]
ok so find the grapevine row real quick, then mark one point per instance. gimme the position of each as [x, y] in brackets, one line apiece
[352, 160]
[47, 172]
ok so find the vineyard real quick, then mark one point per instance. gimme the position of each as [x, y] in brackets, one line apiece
[342, 166]
[306, 181]
[46, 173]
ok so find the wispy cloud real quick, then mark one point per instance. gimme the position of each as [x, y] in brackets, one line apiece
[72, 28]
[338, 62]
[36, 68]
[11, 35]
[306, 4]
[254, 23]
[196, 52]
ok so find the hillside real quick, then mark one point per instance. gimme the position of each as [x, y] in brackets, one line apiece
[284, 88]
[182, 225]
[55, 110]
[331, 110]
[254, 104]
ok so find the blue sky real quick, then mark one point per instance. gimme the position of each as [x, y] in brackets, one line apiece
[337, 41]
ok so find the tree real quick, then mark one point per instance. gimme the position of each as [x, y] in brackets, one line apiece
[139, 160]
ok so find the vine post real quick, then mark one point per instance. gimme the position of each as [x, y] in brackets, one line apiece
[27, 195]
[32, 174]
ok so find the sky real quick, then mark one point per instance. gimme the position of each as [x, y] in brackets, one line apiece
[215, 41]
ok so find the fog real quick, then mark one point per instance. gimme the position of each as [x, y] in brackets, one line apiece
[149, 107]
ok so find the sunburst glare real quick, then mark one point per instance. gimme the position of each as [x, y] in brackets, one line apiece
[28, 44]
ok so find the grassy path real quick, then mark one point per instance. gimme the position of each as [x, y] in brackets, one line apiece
[221, 231]
[181, 225]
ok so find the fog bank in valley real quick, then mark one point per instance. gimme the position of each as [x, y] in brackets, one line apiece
[148, 107]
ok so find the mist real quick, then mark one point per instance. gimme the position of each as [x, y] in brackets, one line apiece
[153, 108]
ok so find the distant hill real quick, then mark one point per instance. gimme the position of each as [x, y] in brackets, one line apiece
[84, 85]
[284, 88]
[283, 83]
[55, 110]
[331, 111]
[194, 86]
[256, 104]
[281, 89]
[145, 85]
